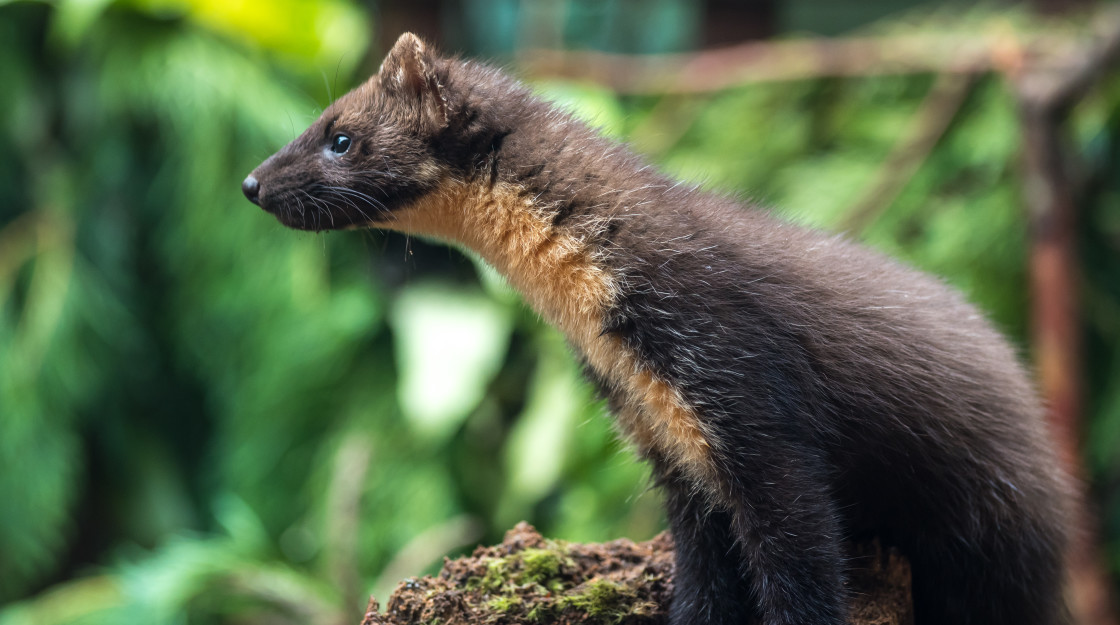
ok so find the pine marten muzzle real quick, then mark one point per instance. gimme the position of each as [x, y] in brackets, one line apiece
[791, 389]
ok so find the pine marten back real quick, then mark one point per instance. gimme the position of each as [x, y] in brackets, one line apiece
[792, 389]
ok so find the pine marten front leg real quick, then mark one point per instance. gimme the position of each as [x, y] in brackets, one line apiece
[753, 509]
[717, 582]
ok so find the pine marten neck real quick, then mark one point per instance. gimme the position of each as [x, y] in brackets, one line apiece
[792, 389]
[500, 172]
[534, 201]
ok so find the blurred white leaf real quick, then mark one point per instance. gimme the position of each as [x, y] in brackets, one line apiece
[540, 440]
[450, 343]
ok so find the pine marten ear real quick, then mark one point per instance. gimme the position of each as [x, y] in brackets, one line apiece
[409, 71]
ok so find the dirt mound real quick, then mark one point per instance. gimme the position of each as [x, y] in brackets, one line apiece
[529, 580]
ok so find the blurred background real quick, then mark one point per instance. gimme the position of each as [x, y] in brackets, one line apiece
[206, 418]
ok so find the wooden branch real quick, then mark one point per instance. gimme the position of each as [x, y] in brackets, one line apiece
[804, 59]
[1045, 97]
[1056, 86]
[344, 495]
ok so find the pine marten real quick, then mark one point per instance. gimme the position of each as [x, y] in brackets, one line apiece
[792, 389]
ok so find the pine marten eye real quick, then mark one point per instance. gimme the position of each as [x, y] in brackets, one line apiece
[340, 144]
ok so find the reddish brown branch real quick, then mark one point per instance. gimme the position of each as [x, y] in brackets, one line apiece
[1057, 85]
[1045, 96]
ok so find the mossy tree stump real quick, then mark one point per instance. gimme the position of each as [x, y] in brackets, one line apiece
[530, 580]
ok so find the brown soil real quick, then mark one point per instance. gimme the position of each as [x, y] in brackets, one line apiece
[533, 581]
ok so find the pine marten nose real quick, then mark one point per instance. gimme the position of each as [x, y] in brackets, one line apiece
[251, 188]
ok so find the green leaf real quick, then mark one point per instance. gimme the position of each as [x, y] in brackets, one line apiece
[590, 103]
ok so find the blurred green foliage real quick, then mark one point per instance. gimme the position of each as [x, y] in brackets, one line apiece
[205, 417]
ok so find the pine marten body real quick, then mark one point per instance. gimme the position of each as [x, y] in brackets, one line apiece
[792, 389]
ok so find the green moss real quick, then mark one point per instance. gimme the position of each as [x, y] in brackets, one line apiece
[531, 585]
[535, 566]
[497, 576]
[504, 604]
[605, 601]
[539, 565]
[541, 611]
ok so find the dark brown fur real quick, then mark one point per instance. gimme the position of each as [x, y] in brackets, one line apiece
[792, 389]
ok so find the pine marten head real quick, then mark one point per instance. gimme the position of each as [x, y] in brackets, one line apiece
[380, 148]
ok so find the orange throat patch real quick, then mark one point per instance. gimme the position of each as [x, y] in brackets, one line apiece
[558, 275]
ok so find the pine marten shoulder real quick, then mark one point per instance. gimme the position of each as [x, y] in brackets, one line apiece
[792, 389]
